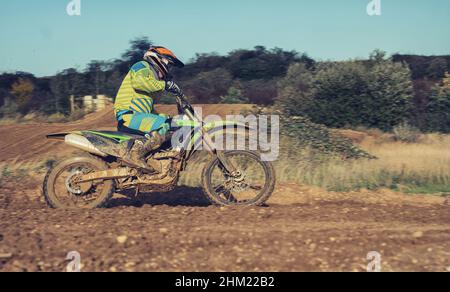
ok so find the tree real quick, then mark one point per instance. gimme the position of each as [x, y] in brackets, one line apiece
[437, 68]
[9, 108]
[134, 54]
[6, 82]
[391, 94]
[22, 90]
[260, 91]
[295, 91]
[63, 85]
[234, 96]
[423, 89]
[260, 63]
[208, 87]
[438, 108]
[377, 56]
[425, 66]
[340, 95]
[96, 73]
[112, 84]
[201, 63]
[4, 95]
[353, 93]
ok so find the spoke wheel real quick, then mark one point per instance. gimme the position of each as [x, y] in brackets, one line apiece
[62, 188]
[252, 183]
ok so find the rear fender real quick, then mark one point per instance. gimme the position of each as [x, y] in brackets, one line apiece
[60, 136]
[77, 140]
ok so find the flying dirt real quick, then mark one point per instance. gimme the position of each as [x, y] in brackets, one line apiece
[300, 229]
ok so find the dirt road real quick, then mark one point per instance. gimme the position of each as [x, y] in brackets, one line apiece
[302, 230]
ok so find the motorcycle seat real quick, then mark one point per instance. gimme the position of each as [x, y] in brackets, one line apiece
[123, 133]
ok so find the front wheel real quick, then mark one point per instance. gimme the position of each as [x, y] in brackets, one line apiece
[61, 189]
[251, 185]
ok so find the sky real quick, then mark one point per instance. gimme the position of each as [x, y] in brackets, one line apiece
[38, 36]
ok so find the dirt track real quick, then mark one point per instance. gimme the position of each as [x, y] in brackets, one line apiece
[301, 230]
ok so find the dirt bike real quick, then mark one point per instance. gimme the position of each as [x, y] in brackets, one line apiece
[237, 177]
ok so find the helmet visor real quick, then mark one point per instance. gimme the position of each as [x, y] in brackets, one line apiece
[167, 54]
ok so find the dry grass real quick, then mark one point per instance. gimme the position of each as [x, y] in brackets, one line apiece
[9, 120]
[422, 167]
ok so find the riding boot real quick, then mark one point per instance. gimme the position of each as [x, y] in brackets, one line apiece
[138, 153]
[154, 141]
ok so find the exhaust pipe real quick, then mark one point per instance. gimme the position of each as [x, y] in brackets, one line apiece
[82, 143]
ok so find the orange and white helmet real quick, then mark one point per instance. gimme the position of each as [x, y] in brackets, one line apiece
[163, 58]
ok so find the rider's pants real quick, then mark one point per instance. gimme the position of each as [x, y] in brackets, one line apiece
[144, 122]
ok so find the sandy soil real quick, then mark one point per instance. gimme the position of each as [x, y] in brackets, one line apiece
[302, 229]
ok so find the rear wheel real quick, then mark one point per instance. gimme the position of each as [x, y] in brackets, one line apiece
[61, 189]
[252, 184]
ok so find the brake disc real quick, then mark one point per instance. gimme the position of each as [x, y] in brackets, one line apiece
[237, 183]
[74, 187]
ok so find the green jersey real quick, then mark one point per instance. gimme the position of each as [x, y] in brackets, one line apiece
[135, 93]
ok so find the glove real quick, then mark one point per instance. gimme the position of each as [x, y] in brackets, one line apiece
[168, 78]
[173, 88]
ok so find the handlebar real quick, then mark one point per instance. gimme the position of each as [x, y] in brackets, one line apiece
[183, 104]
[185, 108]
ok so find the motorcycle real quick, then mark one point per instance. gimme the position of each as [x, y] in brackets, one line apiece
[237, 177]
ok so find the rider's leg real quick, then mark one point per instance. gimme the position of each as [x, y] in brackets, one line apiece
[155, 125]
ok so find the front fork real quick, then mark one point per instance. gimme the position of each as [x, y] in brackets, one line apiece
[212, 149]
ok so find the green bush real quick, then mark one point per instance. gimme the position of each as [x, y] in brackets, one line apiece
[10, 109]
[57, 118]
[438, 108]
[406, 133]
[375, 94]
[318, 138]
[234, 96]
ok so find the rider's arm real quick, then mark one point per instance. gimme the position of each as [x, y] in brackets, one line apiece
[144, 80]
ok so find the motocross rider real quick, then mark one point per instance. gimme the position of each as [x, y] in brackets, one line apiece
[134, 105]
